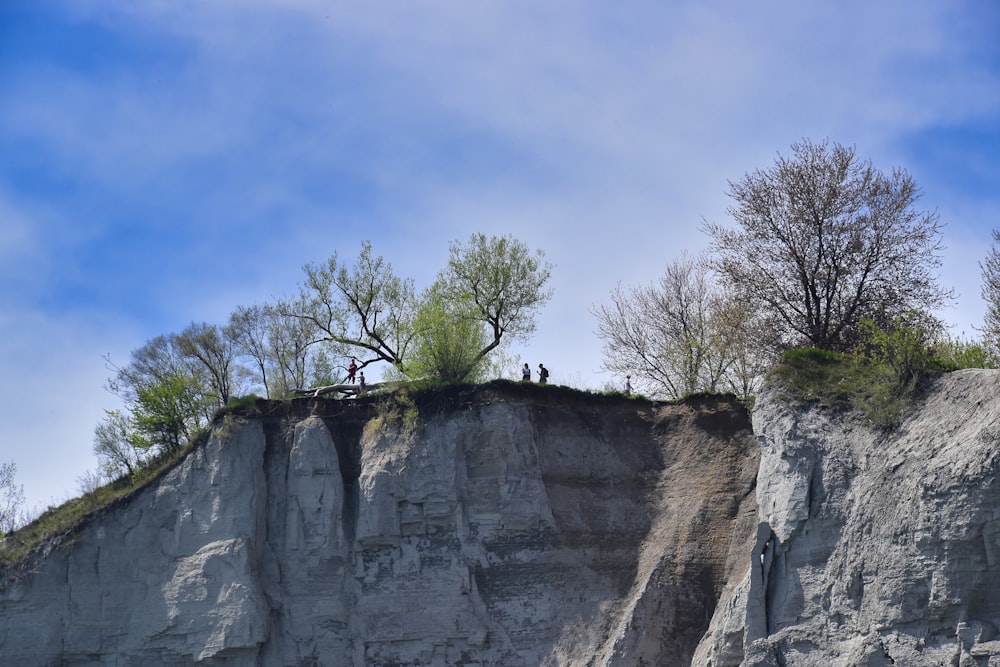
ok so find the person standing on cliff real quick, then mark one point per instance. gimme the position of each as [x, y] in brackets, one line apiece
[361, 383]
[628, 385]
[526, 373]
[351, 370]
[543, 374]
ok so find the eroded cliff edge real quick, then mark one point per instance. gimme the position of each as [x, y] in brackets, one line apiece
[507, 525]
[874, 549]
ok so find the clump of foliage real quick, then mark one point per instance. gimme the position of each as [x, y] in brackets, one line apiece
[397, 411]
[882, 375]
[249, 404]
[841, 381]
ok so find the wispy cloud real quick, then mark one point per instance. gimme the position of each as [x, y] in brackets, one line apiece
[162, 162]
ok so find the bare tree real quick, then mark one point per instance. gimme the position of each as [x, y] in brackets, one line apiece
[294, 344]
[11, 498]
[365, 308]
[248, 328]
[823, 240]
[679, 336]
[285, 350]
[118, 450]
[991, 294]
[206, 345]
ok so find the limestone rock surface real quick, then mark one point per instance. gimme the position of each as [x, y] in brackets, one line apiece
[873, 549]
[504, 525]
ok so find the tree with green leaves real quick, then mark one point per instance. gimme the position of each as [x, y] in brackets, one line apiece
[823, 240]
[489, 292]
[167, 414]
[499, 282]
[168, 394]
[447, 341]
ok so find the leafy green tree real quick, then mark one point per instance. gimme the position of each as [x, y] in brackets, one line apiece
[168, 394]
[823, 240]
[167, 414]
[447, 342]
[498, 281]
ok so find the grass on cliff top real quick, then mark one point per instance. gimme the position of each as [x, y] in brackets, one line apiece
[848, 382]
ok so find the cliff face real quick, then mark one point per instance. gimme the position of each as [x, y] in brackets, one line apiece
[517, 525]
[873, 549]
[502, 526]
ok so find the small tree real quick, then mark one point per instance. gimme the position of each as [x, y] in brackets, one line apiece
[206, 345]
[500, 283]
[823, 240]
[681, 335]
[167, 414]
[11, 498]
[991, 294]
[117, 445]
[903, 349]
[168, 394]
[447, 341]
[364, 308]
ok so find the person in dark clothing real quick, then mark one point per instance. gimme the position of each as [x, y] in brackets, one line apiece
[543, 374]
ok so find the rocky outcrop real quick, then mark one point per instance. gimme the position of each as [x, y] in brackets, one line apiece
[503, 525]
[873, 549]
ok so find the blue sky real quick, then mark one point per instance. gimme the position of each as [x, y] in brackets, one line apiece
[162, 162]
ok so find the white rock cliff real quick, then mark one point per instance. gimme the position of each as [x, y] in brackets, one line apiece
[519, 525]
[505, 525]
[873, 549]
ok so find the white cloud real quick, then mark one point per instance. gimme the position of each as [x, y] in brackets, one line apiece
[247, 138]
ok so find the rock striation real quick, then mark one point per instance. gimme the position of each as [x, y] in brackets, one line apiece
[873, 549]
[499, 525]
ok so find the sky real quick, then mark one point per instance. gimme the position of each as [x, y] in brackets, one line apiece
[163, 162]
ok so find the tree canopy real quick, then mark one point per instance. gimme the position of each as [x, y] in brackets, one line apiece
[490, 291]
[823, 239]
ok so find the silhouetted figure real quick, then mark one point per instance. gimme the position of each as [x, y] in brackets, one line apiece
[543, 374]
[526, 373]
